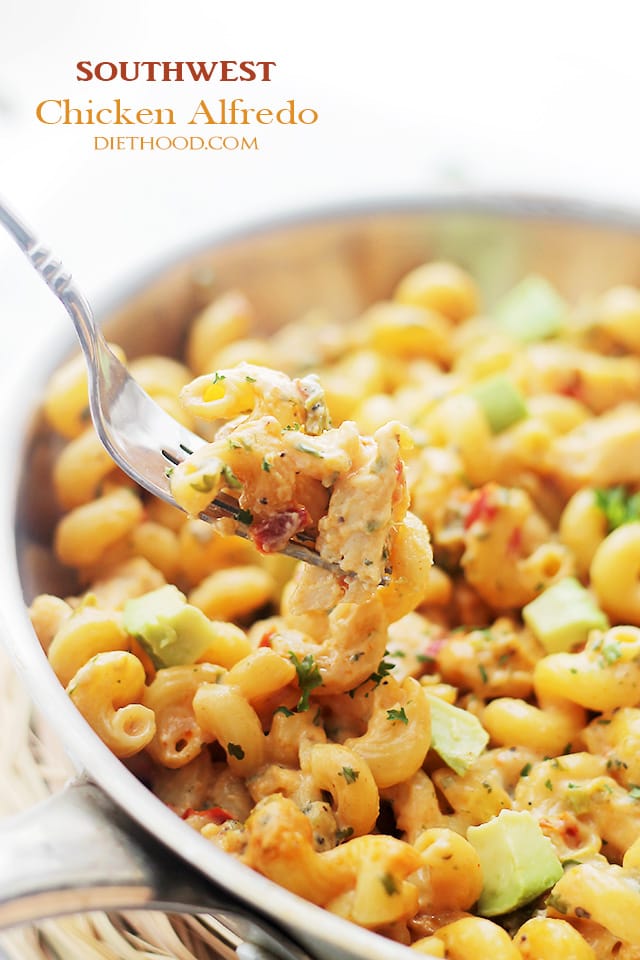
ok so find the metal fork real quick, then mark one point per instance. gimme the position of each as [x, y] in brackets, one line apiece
[141, 437]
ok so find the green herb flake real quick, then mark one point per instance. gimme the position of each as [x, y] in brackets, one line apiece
[548, 784]
[266, 466]
[230, 477]
[634, 792]
[250, 379]
[235, 750]
[284, 710]
[308, 677]
[383, 670]
[398, 715]
[618, 506]
[218, 377]
[305, 448]
[611, 651]
[424, 658]
[526, 770]
[350, 775]
[169, 472]
[343, 834]
[388, 882]
[483, 673]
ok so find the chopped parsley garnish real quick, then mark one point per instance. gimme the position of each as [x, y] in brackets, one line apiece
[398, 715]
[236, 750]
[526, 770]
[169, 472]
[618, 506]
[483, 673]
[218, 377]
[548, 784]
[350, 775]
[343, 834]
[424, 658]
[388, 882]
[308, 677]
[611, 651]
[266, 466]
[250, 379]
[284, 710]
[383, 670]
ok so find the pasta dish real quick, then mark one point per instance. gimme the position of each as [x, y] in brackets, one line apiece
[437, 735]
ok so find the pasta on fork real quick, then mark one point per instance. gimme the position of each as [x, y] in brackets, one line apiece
[437, 736]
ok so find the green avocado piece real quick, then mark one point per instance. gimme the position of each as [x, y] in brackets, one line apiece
[500, 400]
[456, 735]
[518, 862]
[532, 310]
[562, 616]
[171, 630]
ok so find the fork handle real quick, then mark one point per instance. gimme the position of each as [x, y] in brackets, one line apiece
[78, 851]
[57, 279]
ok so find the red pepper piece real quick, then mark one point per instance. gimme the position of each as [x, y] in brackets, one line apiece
[215, 814]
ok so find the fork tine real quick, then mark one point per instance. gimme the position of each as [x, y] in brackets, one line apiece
[138, 434]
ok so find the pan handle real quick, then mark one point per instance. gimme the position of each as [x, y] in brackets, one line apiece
[78, 851]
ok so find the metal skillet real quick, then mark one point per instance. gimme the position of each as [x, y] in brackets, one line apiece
[106, 842]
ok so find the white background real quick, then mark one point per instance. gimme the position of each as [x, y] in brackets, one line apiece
[413, 97]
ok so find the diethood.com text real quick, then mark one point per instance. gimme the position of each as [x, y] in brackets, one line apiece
[164, 71]
[224, 112]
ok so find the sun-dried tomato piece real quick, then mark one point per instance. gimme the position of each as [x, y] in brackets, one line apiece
[273, 533]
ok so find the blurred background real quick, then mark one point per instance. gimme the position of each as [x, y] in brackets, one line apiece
[413, 97]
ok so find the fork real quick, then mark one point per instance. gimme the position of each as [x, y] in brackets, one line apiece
[140, 436]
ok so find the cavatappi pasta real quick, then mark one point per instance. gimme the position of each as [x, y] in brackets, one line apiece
[440, 743]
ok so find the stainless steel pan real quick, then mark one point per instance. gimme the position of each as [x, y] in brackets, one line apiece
[106, 841]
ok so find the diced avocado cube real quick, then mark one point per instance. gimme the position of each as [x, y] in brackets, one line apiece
[532, 310]
[500, 400]
[518, 862]
[456, 735]
[171, 630]
[562, 616]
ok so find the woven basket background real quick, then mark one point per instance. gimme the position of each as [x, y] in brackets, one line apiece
[33, 765]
